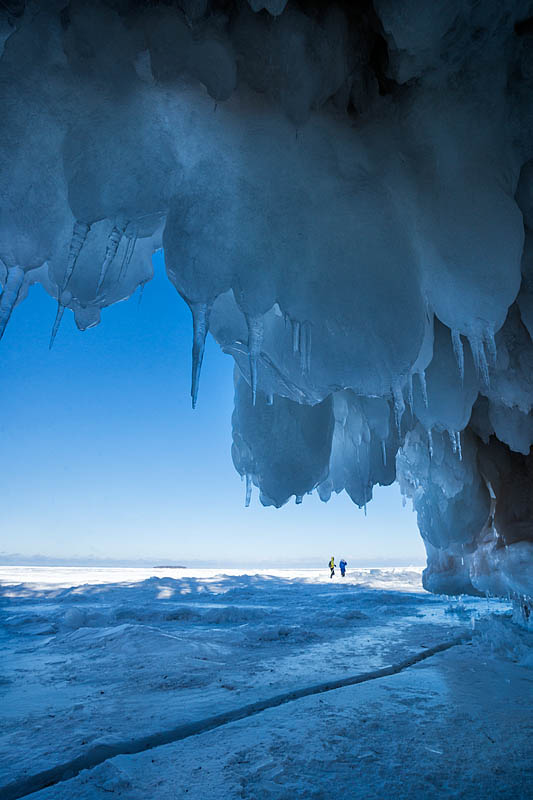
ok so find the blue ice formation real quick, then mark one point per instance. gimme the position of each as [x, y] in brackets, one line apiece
[344, 195]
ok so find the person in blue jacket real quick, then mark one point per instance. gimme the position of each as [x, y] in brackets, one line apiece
[343, 564]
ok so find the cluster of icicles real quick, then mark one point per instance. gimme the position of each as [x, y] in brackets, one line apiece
[364, 252]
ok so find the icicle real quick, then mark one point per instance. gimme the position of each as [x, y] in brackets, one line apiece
[306, 332]
[384, 452]
[57, 323]
[410, 402]
[480, 360]
[459, 353]
[364, 506]
[430, 443]
[490, 342]
[128, 255]
[295, 337]
[305, 341]
[423, 386]
[200, 326]
[141, 292]
[303, 359]
[453, 441]
[298, 499]
[79, 235]
[399, 407]
[255, 340]
[14, 280]
[248, 490]
[62, 302]
[459, 446]
[270, 399]
[113, 242]
[484, 366]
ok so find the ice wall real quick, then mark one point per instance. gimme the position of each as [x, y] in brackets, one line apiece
[344, 195]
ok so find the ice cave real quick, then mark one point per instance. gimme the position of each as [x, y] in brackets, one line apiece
[343, 192]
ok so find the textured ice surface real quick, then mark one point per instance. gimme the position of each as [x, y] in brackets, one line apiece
[95, 656]
[344, 195]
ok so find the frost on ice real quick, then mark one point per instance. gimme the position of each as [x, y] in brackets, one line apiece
[344, 196]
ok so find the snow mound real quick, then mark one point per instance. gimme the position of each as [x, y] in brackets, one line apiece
[504, 639]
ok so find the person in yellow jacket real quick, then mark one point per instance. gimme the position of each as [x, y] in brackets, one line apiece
[332, 566]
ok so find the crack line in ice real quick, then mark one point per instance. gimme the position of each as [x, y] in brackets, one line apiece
[97, 755]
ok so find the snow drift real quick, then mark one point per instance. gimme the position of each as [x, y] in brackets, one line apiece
[344, 195]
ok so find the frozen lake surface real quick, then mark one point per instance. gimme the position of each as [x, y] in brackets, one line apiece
[115, 656]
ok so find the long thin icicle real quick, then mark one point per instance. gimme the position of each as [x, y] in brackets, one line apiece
[248, 496]
[295, 337]
[410, 401]
[303, 347]
[430, 443]
[57, 323]
[255, 340]
[200, 326]
[384, 452]
[459, 353]
[399, 406]
[80, 232]
[490, 342]
[480, 360]
[128, 255]
[14, 280]
[423, 386]
[113, 242]
[308, 346]
[63, 300]
[79, 235]
[453, 440]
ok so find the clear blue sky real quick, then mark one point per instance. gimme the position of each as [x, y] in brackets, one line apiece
[104, 457]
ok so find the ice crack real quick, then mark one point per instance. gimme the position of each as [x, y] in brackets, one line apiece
[97, 755]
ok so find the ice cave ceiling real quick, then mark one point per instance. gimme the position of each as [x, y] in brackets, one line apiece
[344, 195]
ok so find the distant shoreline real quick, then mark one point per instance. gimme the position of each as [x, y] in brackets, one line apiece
[210, 566]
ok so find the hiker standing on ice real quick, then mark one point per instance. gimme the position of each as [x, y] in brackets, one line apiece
[332, 566]
[343, 564]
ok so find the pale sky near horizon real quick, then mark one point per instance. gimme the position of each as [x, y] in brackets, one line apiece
[104, 457]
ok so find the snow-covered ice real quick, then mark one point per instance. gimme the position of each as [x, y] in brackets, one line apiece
[106, 655]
